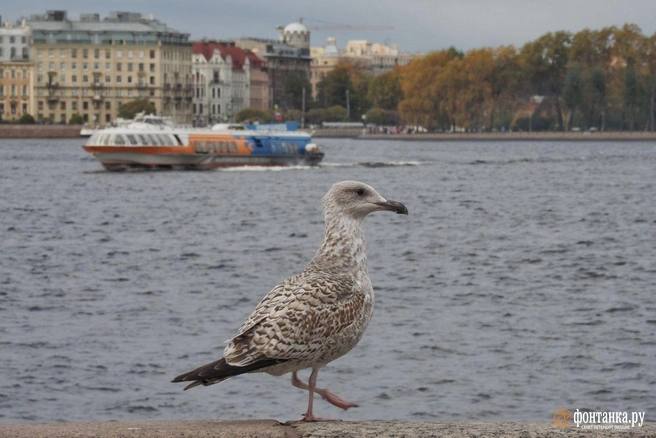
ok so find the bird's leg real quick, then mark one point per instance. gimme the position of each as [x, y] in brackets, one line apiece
[312, 384]
[330, 397]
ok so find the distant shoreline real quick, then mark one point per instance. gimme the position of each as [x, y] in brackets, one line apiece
[16, 131]
[492, 136]
[20, 131]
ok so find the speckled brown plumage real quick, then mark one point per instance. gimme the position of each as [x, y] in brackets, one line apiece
[318, 315]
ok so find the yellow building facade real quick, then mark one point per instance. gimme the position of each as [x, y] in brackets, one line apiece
[91, 67]
[16, 85]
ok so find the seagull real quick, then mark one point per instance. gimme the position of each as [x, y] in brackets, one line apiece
[315, 317]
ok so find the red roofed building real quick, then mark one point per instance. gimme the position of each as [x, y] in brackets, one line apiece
[227, 79]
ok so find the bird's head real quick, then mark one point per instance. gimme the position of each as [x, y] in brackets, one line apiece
[357, 199]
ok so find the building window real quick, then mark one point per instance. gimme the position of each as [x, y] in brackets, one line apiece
[96, 53]
[85, 53]
[152, 80]
[152, 68]
[85, 105]
[74, 105]
[108, 106]
[152, 54]
[108, 54]
[129, 66]
[73, 78]
[62, 105]
[73, 53]
[119, 66]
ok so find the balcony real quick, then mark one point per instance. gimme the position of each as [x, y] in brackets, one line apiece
[53, 95]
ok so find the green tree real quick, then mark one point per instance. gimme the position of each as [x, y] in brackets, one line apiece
[129, 109]
[572, 93]
[334, 113]
[26, 119]
[385, 90]
[347, 85]
[76, 119]
[382, 117]
[293, 85]
[253, 115]
[631, 96]
[333, 88]
[544, 62]
[597, 102]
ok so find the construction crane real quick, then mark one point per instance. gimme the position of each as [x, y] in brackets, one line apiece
[326, 26]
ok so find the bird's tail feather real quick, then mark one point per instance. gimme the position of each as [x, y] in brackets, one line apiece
[220, 370]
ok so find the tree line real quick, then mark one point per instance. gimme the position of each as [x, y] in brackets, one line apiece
[593, 79]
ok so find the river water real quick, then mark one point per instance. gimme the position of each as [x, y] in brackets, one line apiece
[522, 281]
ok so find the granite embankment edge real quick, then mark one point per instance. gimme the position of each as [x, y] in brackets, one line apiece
[274, 429]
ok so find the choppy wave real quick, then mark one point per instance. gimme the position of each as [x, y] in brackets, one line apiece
[263, 168]
[375, 164]
[506, 291]
[543, 160]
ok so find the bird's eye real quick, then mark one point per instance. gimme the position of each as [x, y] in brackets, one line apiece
[360, 192]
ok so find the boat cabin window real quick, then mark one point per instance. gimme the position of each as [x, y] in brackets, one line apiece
[142, 139]
[152, 140]
[119, 140]
[132, 139]
[179, 142]
[164, 139]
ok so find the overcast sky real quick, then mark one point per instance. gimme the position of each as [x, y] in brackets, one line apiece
[418, 25]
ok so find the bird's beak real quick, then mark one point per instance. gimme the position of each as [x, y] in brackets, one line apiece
[393, 206]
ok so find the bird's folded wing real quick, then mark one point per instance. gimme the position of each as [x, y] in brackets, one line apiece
[296, 318]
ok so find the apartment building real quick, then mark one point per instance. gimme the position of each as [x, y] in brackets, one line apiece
[223, 81]
[285, 58]
[16, 82]
[91, 66]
